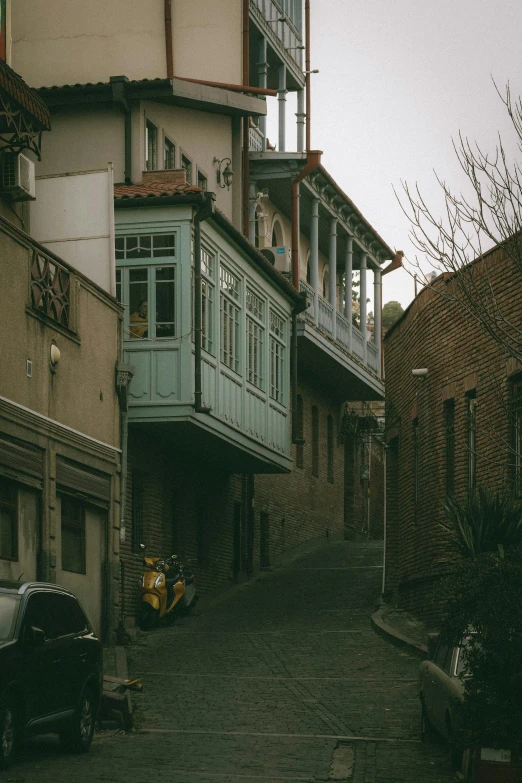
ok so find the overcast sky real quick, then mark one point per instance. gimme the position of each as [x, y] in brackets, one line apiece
[398, 79]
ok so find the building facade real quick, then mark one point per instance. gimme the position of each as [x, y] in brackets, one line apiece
[449, 431]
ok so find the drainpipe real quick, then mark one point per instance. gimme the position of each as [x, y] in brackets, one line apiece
[202, 214]
[307, 72]
[383, 586]
[119, 97]
[246, 120]
[313, 160]
[168, 38]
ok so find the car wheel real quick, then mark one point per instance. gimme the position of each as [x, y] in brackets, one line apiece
[7, 734]
[147, 618]
[426, 729]
[78, 737]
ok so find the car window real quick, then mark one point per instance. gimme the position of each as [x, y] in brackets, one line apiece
[8, 614]
[461, 655]
[442, 657]
[67, 615]
[37, 614]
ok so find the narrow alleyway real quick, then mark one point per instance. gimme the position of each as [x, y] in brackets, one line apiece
[286, 681]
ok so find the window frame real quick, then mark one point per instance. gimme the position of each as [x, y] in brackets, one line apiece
[190, 161]
[277, 356]
[151, 126]
[173, 148]
[73, 524]
[230, 313]
[208, 300]
[330, 448]
[255, 316]
[200, 174]
[11, 506]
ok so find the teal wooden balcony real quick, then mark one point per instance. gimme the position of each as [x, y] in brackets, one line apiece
[245, 341]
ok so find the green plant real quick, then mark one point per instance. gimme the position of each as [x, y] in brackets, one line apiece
[485, 521]
[487, 599]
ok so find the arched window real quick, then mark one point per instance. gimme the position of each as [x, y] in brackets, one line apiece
[299, 449]
[330, 448]
[278, 239]
[326, 284]
[315, 441]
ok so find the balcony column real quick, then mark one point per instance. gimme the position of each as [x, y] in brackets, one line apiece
[363, 294]
[252, 212]
[377, 315]
[301, 117]
[348, 299]
[332, 271]
[314, 256]
[262, 76]
[281, 97]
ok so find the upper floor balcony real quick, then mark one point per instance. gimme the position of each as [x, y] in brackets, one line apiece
[281, 21]
[242, 421]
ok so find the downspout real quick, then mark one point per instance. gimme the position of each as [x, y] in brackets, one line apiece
[246, 120]
[119, 97]
[384, 521]
[313, 160]
[168, 38]
[202, 214]
[307, 73]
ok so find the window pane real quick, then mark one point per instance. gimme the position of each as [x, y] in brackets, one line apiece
[207, 316]
[118, 285]
[8, 520]
[202, 181]
[151, 153]
[170, 155]
[73, 536]
[164, 245]
[37, 614]
[138, 303]
[119, 245]
[8, 614]
[165, 301]
[186, 165]
[66, 615]
[138, 247]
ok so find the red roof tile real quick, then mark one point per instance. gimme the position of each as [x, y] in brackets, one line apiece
[154, 190]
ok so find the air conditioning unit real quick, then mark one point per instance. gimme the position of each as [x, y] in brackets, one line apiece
[18, 181]
[279, 257]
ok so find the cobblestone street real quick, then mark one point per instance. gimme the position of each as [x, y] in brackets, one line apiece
[284, 681]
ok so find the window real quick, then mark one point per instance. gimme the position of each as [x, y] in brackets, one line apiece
[50, 288]
[277, 357]
[415, 473]
[516, 424]
[202, 181]
[471, 403]
[207, 301]
[449, 445]
[186, 165]
[151, 146]
[118, 286]
[165, 316]
[137, 511]
[8, 520]
[255, 338]
[145, 246]
[330, 448]
[315, 441]
[139, 303]
[169, 154]
[229, 312]
[55, 614]
[73, 535]
[299, 449]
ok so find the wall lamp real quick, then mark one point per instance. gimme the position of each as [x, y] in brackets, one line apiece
[275, 21]
[420, 373]
[314, 71]
[224, 176]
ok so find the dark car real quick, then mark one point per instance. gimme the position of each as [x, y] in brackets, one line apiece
[51, 673]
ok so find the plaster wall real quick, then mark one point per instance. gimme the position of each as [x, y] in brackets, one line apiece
[199, 136]
[78, 42]
[213, 29]
[88, 355]
[84, 140]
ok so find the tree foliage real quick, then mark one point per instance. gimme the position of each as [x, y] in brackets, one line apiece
[391, 312]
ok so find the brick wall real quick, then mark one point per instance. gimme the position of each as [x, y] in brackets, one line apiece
[462, 359]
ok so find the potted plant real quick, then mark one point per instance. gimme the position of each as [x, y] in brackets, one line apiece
[485, 597]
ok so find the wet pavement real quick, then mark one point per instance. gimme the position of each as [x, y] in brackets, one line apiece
[283, 680]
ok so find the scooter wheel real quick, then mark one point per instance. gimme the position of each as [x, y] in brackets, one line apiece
[147, 617]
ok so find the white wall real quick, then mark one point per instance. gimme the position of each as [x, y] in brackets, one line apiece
[74, 217]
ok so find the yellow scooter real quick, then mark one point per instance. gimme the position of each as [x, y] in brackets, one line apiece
[164, 586]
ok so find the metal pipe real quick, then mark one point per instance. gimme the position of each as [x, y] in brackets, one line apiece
[307, 73]
[119, 97]
[313, 160]
[202, 214]
[246, 120]
[297, 436]
[168, 38]
[383, 585]
[281, 98]
[348, 292]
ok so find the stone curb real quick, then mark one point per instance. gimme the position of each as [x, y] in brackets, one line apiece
[395, 637]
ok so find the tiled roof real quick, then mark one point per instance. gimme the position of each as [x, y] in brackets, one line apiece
[154, 190]
[26, 98]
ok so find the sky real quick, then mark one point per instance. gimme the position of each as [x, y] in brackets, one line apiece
[397, 80]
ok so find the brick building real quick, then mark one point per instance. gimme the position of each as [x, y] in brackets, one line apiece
[457, 428]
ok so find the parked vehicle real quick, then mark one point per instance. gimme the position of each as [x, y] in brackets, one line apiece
[51, 667]
[166, 586]
[441, 691]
